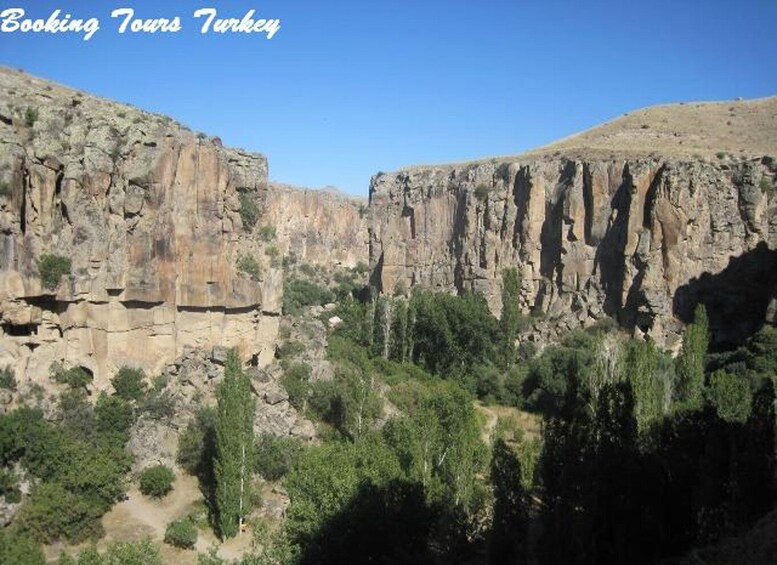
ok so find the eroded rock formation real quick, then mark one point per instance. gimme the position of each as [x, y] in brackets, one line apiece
[614, 232]
[148, 214]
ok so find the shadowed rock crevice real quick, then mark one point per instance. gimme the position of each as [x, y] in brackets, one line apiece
[737, 299]
[610, 253]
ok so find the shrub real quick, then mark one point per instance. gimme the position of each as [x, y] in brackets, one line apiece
[156, 481]
[129, 383]
[7, 379]
[132, 553]
[19, 549]
[272, 251]
[289, 260]
[181, 533]
[296, 381]
[158, 405]
[290, 348]
[53, 512]
[361, 268]
[159, 382]
[52, 268]
[267, 233]
[249, 211]
[276, 456]
[115, 416]
[730, 395]
[298, 293]
[247, 264]
[5, 189]
[195, 444]
[76, 377]
[30, 116]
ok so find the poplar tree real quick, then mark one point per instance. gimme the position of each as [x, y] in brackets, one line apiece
[511, 314]
[692, 360]
[234, 446]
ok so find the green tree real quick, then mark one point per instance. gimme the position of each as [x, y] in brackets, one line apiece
[509, 528]
[439, 444]
[692, 360]
[730, 395]
[639, 366]
[156, 481]
[133, 553]
[328, 477]
[129, 383]
[19, 549]
[115, 417]
[511, 320]
[181, 533]
[52, 513]
[234, 446]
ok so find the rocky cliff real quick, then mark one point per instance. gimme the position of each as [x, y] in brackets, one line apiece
[639, 219]
[154, 220]
[322, 227]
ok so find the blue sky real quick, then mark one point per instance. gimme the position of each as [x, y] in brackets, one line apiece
[348, 88]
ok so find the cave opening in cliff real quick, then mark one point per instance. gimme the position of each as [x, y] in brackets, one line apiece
[20, 330]
[47, 303]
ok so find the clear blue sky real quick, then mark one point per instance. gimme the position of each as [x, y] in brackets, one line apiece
[348, 88]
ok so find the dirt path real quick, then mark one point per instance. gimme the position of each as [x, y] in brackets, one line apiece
[491, 420]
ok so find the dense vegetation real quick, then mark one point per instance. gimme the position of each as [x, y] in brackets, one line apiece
[641, 456]
[80, 465]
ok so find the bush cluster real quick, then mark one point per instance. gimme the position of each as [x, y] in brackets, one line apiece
[276, 456]
[249, 210]
[249, 265]
[156, 481]
[75, 377]
[52, 268]
[129, 383]
[181, 533]
[298, 293]
[267, 233]
[7, 379]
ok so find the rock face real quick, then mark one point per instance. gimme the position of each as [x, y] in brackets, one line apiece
[630, 234]
[322, 227]
[148, 214]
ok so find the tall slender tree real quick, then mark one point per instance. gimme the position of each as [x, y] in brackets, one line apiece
[509, 528]
[511, 314]
[234, 446]
[692, 360]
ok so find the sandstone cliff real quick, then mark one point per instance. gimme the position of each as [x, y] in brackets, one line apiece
[148, 212]
[322, 227]
[639, 219]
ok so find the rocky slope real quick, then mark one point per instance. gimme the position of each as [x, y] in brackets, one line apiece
[149, 214]
[639, 219]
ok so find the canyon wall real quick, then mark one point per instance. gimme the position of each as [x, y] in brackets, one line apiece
[321, 227]
[639, 238]
[148, 213]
